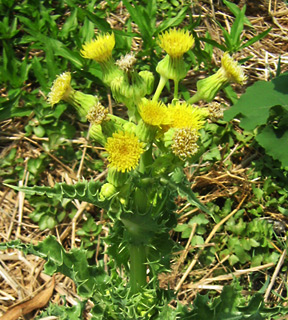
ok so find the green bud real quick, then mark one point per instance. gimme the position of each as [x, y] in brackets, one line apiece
[95, 133]
[117, 178]
[129, 89]
[81, 102]
[107, 191]
[208, 88]
[110, 71]
[149, 80]
[112, 124]
[146, 133]
[130, 127]
[172, 68]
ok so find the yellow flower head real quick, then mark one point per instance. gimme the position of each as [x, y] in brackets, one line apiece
[60, 88]
[233, 70]
[124, 151]
[176, 42]
[99, 49]
[97, 114]
[153, 112]
[183, 115]
[185, 143]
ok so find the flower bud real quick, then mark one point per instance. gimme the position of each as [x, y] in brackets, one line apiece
[95, 133]
[107, 191]
[172, 68]
[149, 79]
[117, 178]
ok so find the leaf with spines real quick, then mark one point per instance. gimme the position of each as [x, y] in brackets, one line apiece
[73, 264]
[185, 191]
[87, 191]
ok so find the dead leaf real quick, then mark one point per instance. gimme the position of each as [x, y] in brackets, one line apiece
[37, 302]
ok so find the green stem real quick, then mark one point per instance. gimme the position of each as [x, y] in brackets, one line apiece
[161, 85]
[176, 89]
[194, 98]
[137, 267]
[146, 160]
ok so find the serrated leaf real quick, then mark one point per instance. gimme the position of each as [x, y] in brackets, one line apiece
[73, 264]
[84, 191]
[184, 191]
[253, 107]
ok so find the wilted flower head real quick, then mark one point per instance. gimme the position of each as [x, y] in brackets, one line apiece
[126, 62]
[183, 115]
[233, 70]
[176, 42]
[60, 89]
[99, 49]
[185, 143]
[153, 113]
[124, 151]
[97, 114]
[215, 110]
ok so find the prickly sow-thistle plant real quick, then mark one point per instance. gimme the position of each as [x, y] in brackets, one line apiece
[145, 152]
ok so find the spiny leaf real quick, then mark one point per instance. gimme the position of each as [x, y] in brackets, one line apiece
[184, 191]
[73, 264]
[83, 191]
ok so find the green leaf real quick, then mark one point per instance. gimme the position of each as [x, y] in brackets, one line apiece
[237, 28]
[236, 11]
[184, 191]
[70, 24]
[143, 18]
[214, 43]
[39, 74]
[200, 219]
[230, 305]
[175, 21]
[253, 107]
[275, 143]
[73, 264]
[255, 39]
[84, 191]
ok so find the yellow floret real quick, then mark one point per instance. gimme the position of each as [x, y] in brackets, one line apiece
[60, 88]
[176, 42]
[233, 70]
[124, 151]
[99, 49]
[183, 115]
[154, 113]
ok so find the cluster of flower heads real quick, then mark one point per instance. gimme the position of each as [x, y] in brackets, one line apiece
[177, 124]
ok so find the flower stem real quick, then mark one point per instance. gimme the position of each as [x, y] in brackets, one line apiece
[137, 267]
[194, 98]
[176, 89]
[161, 85]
